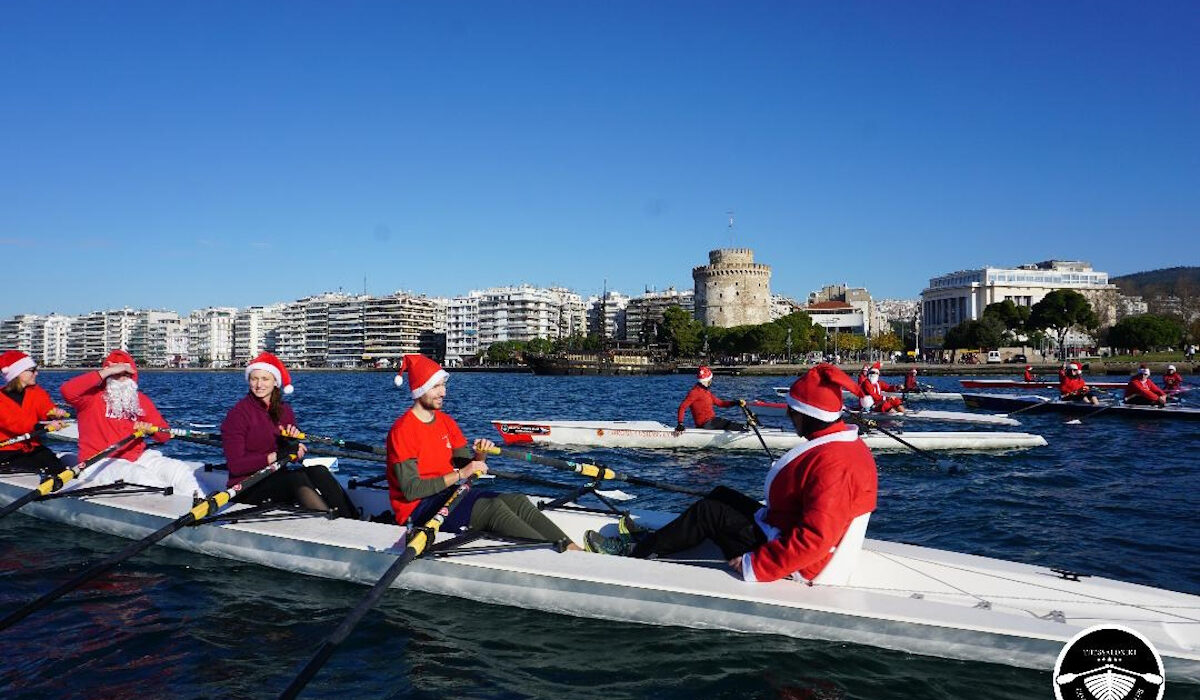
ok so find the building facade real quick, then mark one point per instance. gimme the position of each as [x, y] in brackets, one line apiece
[962, 296]
[732, 289]
[645, 312]
[210, 337]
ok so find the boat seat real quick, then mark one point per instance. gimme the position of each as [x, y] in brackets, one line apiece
[845, 556]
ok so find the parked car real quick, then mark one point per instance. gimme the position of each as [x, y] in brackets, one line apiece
[1018, 359]
[993, 357]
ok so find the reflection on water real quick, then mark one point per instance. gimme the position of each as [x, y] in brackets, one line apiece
[169, 623]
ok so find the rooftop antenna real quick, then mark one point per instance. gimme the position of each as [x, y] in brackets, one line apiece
[730, 213]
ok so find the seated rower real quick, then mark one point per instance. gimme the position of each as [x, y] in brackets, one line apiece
[1142, 391]
[700, 400]
[812, 494]
[1172, 380]
[24, 404]
[910, 381]
[1029, 376]
[874, 388]
[259, 431]
[1072, 387]
[110, 408]
[428, 457]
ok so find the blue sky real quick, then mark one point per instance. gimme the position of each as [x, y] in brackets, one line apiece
[185, 154]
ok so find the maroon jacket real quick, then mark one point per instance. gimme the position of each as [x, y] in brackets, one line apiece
[248, 435]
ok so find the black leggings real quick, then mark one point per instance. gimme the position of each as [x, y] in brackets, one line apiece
[281, 487]
[724, 516]
[505, 514]
[40, 459]
[723, 424]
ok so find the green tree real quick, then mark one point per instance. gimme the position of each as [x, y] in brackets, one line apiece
[505, 352]
[540, 346]
[888, 342]
[1145, 332]
[1061, 311]
[682, 332]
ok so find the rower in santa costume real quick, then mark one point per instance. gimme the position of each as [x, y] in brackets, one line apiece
[875, 388]
[23, 405]
[1142, 391]
[700, 401]
[110, 408]
[1029, 376]
[910, 380]
[1072, 387]
[812, 494]
[1172, 380]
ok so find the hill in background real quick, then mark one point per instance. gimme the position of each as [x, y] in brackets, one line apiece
[1181, 282]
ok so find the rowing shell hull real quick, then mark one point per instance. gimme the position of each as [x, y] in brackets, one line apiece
[907, 396]
[655, 435]
[998, 402]
[901, 597]
[1017, 384]
[772, 408]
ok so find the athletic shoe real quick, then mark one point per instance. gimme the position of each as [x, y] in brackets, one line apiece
[630, 530]
[616, 546]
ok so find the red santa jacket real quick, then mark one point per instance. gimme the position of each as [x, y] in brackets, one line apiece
[876, 390]
[1029, 376]
[813, 493]
[97, 431]
[910, 383]
[1172, 381]
[1146, 388]
[700, 399]
[20, 418]
[1069, 386]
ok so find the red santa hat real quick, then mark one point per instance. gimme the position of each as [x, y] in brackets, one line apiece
[423, 374]
[271, 364]
[1170, 368]
[1073, 367]
[704, 375]
[818, 393]
[1028, 366]
[117, 357]
[913, 370]
[13, 363]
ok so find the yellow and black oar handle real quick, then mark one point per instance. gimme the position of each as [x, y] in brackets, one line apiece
[61, 479]
[344, 444]
[592, 471]
[201, 510]
[40, 430]
[418, 543]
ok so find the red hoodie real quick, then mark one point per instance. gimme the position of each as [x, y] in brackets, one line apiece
[97, 431]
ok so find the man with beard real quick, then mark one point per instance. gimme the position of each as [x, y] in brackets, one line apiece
[110, 408]
[428, 457]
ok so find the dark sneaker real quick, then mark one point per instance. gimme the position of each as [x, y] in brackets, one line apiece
[630, 530]
[616, 546]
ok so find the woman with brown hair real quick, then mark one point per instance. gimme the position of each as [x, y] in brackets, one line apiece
[24, 404]
[259, 430]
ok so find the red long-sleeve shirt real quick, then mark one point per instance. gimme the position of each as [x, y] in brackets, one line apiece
[1172, 381]
[1145, 388]
[20, 418]
[97, 431]
[1070, 386]
[700, 399]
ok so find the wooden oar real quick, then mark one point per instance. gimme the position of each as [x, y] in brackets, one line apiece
[594, 471]
[752, 420]
[61, 479]
[202, 510]
[418, 543]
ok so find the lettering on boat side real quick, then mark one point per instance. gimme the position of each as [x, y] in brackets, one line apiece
[1109, 662]
[524, 429]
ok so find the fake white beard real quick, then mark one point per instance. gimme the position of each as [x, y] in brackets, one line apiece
[121, 399]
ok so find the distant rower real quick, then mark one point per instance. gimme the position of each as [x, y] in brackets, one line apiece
[1172, 380]
[700, 400]
[1142, 391]
[1072, 387]
[1029, 376]
[875, 387]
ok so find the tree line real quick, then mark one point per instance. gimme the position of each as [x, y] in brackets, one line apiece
[1061, 311]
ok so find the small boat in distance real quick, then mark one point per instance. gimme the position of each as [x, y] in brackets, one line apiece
[1021, 384]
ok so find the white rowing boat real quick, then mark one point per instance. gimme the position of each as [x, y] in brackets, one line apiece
[774, 408]
[923, 395]
[654, 435]
[895, 596]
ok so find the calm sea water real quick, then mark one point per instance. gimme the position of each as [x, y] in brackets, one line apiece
[1109, 497]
